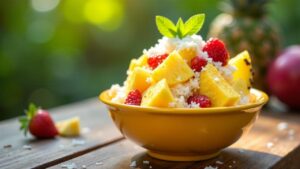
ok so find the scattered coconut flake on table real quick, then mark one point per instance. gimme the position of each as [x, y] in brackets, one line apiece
[146, 162]
[241, 151]
[85, 130]
[69, 166]
[132, 164]
[210, 167]
[270, 145]
[76, 142]
[83, 166]
[282, 126]
[291, 134]
[99, 163]
[219, 162]
[27, 147]
[61, 146]
[7, 146]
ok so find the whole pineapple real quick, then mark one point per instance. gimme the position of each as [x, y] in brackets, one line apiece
[246, 27]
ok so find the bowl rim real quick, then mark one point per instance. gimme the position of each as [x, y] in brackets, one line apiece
[263, 99]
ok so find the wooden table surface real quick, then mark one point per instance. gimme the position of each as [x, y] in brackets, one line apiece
[274, 142]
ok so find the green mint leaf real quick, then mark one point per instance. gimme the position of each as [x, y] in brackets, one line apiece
[180, 28]
[165, 26]
[194, 24]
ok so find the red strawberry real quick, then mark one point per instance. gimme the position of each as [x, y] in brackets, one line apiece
[216, 50]
[197, 63]
[134, 98]
[201, 100]
[154, 61]
[38, 122]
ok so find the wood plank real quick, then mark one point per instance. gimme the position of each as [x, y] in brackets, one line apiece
[44, 153]
[264, 147]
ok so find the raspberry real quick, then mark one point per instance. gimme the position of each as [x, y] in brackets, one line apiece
[201, 100]
[134, 97]
[154, 61]
[197, 63]
[216, 50]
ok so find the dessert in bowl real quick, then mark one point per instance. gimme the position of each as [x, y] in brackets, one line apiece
[184, 99]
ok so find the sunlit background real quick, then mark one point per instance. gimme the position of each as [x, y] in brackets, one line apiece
[54, 52]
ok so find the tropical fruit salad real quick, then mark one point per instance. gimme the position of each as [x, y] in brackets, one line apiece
[183, 71]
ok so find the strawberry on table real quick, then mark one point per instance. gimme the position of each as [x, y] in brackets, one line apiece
[38, 122]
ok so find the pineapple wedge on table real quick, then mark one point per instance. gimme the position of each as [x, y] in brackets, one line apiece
[174, 69]
[140, 62]
[69, 127]
[139, 78]
[158, 95]
[242, 77]
[214, 86]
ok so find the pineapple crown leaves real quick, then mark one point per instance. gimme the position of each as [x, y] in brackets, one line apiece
[182, 29]
[254, 8]
[29, 114]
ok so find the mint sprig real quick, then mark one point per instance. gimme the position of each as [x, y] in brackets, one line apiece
[192, 26]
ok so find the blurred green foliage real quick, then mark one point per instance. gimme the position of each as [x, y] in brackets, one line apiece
[53, 52]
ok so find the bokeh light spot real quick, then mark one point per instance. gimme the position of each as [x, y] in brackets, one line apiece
[40, 31]
[107, 14]
[44, 5]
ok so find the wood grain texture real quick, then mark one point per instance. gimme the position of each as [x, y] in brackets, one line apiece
[44, 153]
[264, 147]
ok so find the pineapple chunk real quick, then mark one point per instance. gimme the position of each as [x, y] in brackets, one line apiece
[139, 78]
[240, 86]
[69, 127]
[174, 69]
[242, 62]
[188, 54]
[158, 95]
[140, 62]
[213, 85]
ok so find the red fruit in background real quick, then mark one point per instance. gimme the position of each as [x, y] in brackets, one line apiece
[216, 50]
[38, 122]
[201, 100]
[154, 61]
[134, 98]
[284, 77]
[197, 63]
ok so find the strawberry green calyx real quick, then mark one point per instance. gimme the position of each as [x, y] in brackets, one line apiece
[29, 114]
[182, 29]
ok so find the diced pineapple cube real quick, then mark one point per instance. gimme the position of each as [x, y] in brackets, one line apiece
[158, 95]
[69, 127]
[242, 62]
[174, 69]
[213, 85]
[139, 78]
[188, 54]
[140, 62]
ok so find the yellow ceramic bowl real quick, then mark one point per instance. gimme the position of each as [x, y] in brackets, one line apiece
[183, 134]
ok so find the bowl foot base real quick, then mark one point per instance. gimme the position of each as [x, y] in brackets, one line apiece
[181, 157]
